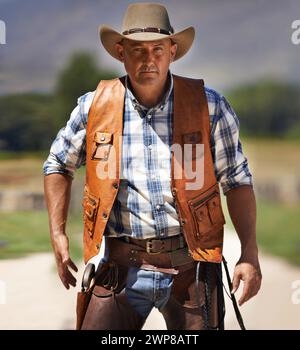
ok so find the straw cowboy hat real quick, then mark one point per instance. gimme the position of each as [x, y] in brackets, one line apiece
[146, 22]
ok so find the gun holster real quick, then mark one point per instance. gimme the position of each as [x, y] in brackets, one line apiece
[103, 295]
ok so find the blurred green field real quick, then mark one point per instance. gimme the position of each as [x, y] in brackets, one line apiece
[278, 229]
[22, 233]
[278, 223]
[273, 159]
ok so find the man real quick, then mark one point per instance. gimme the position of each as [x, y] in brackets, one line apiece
[163, 237]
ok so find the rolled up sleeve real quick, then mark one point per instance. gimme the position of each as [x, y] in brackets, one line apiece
[231, 165]
[68, 150]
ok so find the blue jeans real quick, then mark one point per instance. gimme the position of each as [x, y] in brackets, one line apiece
[147, 289]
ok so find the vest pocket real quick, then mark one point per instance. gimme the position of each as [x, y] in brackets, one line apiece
[207, 214]
[101, 145]
[90, 205]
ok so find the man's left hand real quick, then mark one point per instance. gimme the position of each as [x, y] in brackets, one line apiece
[250, 274]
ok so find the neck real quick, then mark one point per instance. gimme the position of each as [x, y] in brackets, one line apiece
[150, 95]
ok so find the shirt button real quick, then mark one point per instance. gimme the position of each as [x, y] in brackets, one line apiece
[157, 207]
[150, 147]
[153, 177]
[149, 116]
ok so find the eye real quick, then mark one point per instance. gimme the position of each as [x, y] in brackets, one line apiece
[158, 50]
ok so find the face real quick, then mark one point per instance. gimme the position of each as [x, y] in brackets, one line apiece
[146, 62]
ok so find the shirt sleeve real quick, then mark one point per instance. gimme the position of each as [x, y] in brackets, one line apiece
[68, 150]
[231, 165]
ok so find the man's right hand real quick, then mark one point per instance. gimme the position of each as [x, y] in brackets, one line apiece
[60, 244]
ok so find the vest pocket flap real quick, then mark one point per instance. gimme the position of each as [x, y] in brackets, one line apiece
[204, 197]
[102, 137]
[192, 137]
[102, 144]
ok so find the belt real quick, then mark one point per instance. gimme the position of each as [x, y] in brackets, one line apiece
[129, 254]
[156, 245]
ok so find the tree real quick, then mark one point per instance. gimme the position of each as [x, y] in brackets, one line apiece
[80, 75]
[267, 108]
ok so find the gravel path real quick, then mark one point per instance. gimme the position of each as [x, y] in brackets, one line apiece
[32, 297]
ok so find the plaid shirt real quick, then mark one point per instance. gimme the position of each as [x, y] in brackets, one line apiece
[144, 207]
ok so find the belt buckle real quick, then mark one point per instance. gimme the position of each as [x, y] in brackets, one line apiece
[149, 247]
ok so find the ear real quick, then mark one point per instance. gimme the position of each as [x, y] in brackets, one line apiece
[173, 51]
[120, 51]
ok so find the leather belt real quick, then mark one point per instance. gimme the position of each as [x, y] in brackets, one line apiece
[128, 254]
[156, 245]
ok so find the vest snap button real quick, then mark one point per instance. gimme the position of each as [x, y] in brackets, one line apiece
[115, 185]
[104, 215]
[102, 138]
[97, 246]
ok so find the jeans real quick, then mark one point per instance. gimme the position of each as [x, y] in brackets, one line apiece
[147, 289]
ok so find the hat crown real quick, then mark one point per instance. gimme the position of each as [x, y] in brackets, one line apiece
[143, 15]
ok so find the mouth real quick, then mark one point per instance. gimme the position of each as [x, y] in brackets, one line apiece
[152, 72]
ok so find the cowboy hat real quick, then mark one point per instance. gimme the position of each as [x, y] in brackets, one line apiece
[146, 22]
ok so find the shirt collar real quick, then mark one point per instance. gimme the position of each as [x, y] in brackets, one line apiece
[160, 105]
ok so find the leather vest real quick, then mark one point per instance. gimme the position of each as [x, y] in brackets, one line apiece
[199, 209]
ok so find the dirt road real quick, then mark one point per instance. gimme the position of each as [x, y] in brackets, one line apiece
[32, 297]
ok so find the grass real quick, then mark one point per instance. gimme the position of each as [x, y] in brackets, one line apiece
[278, 224]
[27, 232]
[273, 159]
[9, 155]
[278, 229]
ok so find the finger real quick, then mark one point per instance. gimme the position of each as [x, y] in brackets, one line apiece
[62, 272]
[246, 295]
[64, 281]
[71, 279]
[252, 290]
[235, 282]
[72, 265]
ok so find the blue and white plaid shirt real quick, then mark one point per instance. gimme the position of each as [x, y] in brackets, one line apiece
[144, 207]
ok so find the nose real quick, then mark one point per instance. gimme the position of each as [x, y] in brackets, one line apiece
[148, 56]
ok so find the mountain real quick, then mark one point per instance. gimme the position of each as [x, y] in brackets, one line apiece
[236, 41]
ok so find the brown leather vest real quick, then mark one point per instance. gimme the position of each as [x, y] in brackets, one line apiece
[199, 210]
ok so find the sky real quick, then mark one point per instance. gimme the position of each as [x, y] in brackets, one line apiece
[237, 41]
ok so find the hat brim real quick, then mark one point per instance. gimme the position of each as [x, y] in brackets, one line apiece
[110, 37]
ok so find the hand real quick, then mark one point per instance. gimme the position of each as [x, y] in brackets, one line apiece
[63, 261]
[250, 274]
